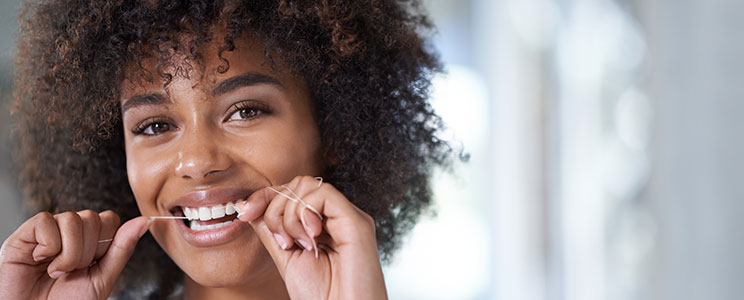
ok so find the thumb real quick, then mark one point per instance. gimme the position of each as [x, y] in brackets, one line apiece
[279, 255]
[121, 249]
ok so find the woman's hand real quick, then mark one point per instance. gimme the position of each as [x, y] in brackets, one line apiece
[347, 266]
[68, 255]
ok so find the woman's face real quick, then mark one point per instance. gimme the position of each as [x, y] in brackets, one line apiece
[209, 139]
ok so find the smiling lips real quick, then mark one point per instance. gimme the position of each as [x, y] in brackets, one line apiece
[222, 213]
[211, 215]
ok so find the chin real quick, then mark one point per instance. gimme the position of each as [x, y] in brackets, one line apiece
[228, 274]
[238, 262]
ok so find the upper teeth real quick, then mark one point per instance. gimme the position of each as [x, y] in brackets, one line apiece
[205, 213]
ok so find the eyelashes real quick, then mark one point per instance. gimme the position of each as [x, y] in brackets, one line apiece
[246, 110]
[243, 111]
[152, 126]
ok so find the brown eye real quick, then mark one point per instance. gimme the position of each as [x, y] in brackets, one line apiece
[157, 128]
[244, 114]
[154, 128]
[247, 110]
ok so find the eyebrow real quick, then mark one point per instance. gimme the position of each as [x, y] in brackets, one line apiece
[226, 86]
[142, 100]
[243, 80]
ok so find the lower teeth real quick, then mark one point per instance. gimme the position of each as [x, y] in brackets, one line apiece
[195, 226]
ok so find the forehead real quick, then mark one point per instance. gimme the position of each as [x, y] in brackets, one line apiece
[203, 69]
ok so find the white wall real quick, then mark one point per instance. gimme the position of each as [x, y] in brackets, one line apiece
[697, 81]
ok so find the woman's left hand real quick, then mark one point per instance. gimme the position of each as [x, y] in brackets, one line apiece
[347, 265]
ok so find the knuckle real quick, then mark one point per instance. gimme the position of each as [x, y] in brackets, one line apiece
[307, 179]
[44, 216]
[91, 218]
[368, 221]
[296, 180]
[87, 213]
[68, 217]
[112, 216]
[327, 187]
[43, 219]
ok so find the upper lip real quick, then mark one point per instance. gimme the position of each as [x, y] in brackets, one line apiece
[211, 197]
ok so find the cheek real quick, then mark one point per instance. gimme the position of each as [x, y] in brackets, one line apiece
[283, 156]
[146, 175]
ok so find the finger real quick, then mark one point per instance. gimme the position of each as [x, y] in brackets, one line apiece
[293, 226]
[112, 263]
[274, 219]
[311, 223]
[302, 185]
[109, 223]
[342, 218]
[305, 185]
[46, 234]
[38, 236]
[255, 206]
[91, 224]
[71, 232]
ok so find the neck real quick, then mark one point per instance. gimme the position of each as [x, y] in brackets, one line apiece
[269, 286]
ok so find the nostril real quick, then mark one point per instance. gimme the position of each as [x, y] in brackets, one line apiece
[201, 162]
[213, 172]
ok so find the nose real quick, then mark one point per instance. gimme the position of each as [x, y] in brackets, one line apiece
[199, 157]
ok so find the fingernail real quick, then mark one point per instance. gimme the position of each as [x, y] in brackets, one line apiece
[40, 258]
[280, 239]
[242, 205]
[56, 274]
[147, 226]
[305, 245]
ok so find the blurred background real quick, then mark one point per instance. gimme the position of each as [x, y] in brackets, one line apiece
[604, 152]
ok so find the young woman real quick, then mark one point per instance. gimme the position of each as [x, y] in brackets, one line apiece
[295, 136]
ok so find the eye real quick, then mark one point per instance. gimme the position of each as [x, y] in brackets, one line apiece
[244, 114]
[247, 110]
[152, 127]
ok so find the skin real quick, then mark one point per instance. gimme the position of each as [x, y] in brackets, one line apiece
[194, 139]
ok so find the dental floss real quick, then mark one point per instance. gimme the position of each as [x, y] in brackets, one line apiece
[302, 216]
[297, 200]
[151, 218]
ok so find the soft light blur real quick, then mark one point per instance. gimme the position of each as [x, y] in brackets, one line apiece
[604, 152]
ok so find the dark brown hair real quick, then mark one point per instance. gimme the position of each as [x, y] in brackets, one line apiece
[365, 62]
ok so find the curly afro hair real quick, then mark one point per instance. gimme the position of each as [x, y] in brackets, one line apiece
[365, 62]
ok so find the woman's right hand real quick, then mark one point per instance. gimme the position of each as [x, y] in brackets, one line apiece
[68, 255]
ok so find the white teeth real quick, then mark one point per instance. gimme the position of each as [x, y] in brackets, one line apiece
[218, 211]
[195, 226]
[205, 213]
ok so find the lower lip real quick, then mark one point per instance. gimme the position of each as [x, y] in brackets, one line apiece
[211, 237]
